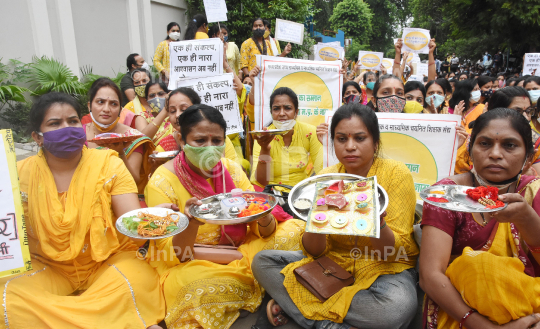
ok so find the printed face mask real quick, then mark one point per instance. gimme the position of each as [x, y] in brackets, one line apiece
[157, 104]
[486, 94]
[352, 99]
[64, 143]
[204, 158]
[140, 91]
[392, 104]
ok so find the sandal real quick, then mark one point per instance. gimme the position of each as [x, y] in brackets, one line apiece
[278, 319]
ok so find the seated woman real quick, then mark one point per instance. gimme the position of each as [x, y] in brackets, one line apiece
[104, 105]
[388, 284]
[285, 159]
[157, 125]
[85, 273]
[210, 290]
[479, 270]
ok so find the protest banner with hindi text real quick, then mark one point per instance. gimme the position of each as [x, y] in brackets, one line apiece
[289, 31]
[415, 40]
[425, 143]
[14, 252]
[218, 92]
[195, 58]
[531, 64]
[370, 60]
[316, 83]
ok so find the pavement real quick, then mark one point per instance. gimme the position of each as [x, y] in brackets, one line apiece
[23, 154]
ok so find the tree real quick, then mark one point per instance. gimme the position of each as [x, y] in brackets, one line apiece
[322, 17]
[240, 14]
[354, 18]
[384, 20]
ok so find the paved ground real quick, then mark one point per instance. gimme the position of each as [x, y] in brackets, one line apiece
[23, 154]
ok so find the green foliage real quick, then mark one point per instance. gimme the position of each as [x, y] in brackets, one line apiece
[383, 20]
[48, 74]
[354, 18]
[240, 14]
[354, 48]
[322, 17]
[16, 114]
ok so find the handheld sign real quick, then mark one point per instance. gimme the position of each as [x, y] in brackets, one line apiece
[14, 252]
[216, 10]
[422, 69]
[218, 92]
[531, 65]
[416, 40]
[195, 58]
[326, 52]
[289, 31]
[388, 64]
[370, 60]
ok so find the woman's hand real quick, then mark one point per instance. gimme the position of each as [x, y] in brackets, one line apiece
[288, 49]
[517, 211]
[431, 108]
[166, 72]
[526, 322]
[399, 45]
[462, 135]
[190, 203]
[171, 206]
[459, 108]
[432, 45]
[254, 72]
[322, 130]
[264, 141]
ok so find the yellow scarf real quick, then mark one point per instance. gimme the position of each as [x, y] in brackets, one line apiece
[87, 209]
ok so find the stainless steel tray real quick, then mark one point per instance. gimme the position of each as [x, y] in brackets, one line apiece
[182, 223]
[164, 155]
[259, 133]
[457, 199]
[219, 218]
[306, 189]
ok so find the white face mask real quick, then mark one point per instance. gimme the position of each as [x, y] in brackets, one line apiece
[284, 125]
[174, 35]
[145, 66]
[475, 96]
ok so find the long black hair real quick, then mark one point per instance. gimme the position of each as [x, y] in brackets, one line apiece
[415, 85]
[284, 91]
[366, 114]
[198, 113]
[378, 85]
[188, 92]
[193, 25]
[43, 104]
[462, 92]
[162, 85]
[348, 84]
[170, 26]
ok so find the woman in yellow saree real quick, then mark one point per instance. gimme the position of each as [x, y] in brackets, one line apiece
[210, 290]
[104, 106]
[479, 270]
[85, 274]
[384, 292]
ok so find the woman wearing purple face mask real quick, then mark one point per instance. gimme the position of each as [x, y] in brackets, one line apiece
[104, 106]
[388, 94]
[72, 196]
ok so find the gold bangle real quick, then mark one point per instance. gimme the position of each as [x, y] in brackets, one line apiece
[154, 124]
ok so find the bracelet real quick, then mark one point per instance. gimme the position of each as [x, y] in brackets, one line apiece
[465, 317]
[397, 63]
[264, 161]
[154, 124]
[271, 220]
[534, 250]
[383, 225]
[121, 154]
[431, 63]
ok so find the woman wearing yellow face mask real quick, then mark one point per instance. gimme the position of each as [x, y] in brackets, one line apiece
[415, 94]
[197, 28]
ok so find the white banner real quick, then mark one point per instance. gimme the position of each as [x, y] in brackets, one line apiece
[14, 252]
[318, 86]
[327, 52]
[426, 143]
[370, 60]
[216, 10]
[218, 92]
[195, 58]
[289, 31]
[531, 65]
[416, 40]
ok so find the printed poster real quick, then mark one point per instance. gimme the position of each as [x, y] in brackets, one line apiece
[388, 64]
[195, 59]
[14, 252]
[218, 92]
[425, 143]
[289, 31]
[316, 83]
[415, 40]
[370, 60]
[326, 52]
[531, 65]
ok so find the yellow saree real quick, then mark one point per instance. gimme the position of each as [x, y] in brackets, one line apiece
[85, 275]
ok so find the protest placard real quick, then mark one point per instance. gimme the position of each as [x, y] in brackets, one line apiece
[531, 64]
[388, 64]
[195, 58]
[370, 60]
[14, 252]
[415, 40]
[425, 143]
[289, 31]
[421, 69]
[216, 10]
[218, 92]
[328, 52]
[316, 83]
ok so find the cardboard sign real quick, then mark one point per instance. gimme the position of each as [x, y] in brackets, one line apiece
[14, 252]
[531, 65]
[216, 10]
[195, 58]
[289, 31]
[416, 40]
[370, 60]
[316, 83]
[218, 92]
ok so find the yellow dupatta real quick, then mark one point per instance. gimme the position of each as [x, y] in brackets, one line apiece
[61, 233]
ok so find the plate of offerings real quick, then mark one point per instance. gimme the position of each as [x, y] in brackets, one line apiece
[480, 199]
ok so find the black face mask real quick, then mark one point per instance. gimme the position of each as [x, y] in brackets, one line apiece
[258, 33]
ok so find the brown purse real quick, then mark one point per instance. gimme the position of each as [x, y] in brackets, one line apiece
[323, 277]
